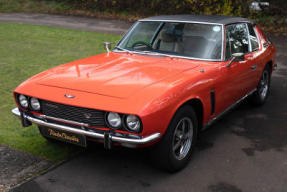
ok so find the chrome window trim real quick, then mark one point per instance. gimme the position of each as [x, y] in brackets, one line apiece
[180, 21]
[225, 37]
[223, 40]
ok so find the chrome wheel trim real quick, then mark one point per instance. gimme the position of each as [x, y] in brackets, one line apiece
[264, 85]
[182, 138]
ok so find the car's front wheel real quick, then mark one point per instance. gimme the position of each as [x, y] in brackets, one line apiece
[174, 150]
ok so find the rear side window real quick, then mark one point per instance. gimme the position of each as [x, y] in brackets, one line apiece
[253, 38]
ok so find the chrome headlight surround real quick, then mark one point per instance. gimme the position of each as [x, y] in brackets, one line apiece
[133, 123]
[23, 101]
[114, 120]
[35, 104]
[124, 122]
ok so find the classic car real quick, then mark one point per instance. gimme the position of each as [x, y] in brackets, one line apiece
[166, 80]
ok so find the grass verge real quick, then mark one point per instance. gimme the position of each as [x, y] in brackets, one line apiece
[26, 50]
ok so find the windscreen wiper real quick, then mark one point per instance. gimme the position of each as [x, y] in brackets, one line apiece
[122, 49]
[157, 54]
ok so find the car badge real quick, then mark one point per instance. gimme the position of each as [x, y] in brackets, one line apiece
[51, 105]
[69, 96]
[87, 115]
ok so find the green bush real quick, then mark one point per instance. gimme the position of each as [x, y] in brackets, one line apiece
[272, 18]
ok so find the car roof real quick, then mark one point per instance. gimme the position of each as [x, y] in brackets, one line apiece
[215, 19]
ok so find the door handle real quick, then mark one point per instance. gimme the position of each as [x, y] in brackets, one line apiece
[253, 67]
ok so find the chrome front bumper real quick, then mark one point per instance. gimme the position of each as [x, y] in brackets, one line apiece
[127, 140]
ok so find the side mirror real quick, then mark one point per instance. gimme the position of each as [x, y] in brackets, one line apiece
[107, 46]
[236, 57]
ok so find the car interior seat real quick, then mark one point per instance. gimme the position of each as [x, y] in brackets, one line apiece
[169, 41]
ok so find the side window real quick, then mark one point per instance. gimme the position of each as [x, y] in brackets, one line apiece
[236, 39]
[253, 38]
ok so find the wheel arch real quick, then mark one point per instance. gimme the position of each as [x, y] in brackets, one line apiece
[197, 105]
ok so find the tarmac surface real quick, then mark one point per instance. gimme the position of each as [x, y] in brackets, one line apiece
[245, 151]
[16, 166]
[69, 22]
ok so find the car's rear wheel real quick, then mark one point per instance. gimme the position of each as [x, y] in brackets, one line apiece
[261, 94]
[174, 150]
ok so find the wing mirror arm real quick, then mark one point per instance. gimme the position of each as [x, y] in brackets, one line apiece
[107, 46]
[236, 57]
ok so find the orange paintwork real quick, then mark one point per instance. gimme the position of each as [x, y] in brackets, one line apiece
[152, 87]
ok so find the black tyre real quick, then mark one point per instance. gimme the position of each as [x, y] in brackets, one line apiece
[174, 150]
[260, 96]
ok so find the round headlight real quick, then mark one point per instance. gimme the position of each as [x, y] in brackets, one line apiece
[114, 120]
[23, 101]
[35, 104]
[133, 123]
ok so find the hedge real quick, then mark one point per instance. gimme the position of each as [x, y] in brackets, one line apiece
[157, 7]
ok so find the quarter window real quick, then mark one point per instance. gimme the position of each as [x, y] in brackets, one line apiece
[253, 38]
[236, 39]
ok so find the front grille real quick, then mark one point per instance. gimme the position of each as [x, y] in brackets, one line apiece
[90, 116]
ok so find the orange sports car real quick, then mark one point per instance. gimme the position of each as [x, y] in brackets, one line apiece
[167, 79]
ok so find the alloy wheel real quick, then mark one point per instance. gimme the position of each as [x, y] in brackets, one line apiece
[182, 138]
[264, 85]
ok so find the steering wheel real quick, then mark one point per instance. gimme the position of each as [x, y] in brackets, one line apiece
[141, 43]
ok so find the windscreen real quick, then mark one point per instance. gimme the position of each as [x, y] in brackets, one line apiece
[202, 41]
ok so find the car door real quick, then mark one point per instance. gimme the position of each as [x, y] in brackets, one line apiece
[254, 57]
[237, 78]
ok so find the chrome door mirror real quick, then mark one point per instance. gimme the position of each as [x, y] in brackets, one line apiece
[236, 57]
[107, 46]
